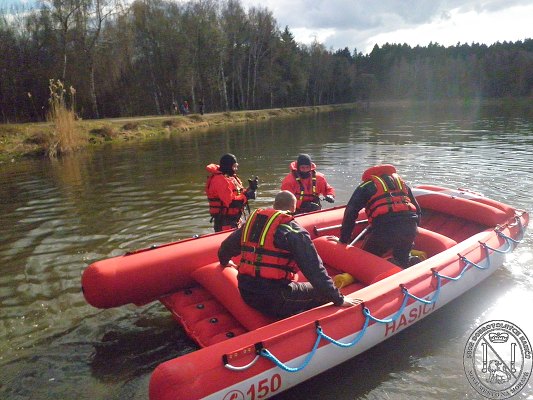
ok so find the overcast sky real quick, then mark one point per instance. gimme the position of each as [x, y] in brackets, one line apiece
[360, 24]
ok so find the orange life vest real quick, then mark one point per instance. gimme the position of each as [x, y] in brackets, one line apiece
[302, 196]
[391, 192]
[216, 206]
[259, 256]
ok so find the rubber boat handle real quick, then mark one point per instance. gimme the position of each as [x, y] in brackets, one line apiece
[328, 228]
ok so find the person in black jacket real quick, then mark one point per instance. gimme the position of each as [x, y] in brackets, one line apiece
[273, 248]
[392, 211]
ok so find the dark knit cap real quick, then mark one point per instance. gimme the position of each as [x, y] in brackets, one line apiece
[303, 159]
[226, 163]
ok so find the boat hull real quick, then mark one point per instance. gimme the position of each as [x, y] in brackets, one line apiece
[464, 234]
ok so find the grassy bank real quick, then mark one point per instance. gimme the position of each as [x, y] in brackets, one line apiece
[33, 139]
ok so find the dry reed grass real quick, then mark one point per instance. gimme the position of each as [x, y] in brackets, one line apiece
[65, 139]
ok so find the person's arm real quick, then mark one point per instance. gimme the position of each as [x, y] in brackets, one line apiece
[324, 188]
[297, 240]
[356, 203]
[288, 183]
[415, 203]
[221, 186]
[230, 247]
[329, 190]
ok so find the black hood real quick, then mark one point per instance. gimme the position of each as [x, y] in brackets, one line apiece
[226, 164]
[303, 159]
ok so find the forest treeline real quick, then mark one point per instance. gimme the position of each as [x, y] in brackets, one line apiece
[140, 58]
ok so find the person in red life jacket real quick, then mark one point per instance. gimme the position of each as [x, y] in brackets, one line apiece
[392, 211]
[273, 248]
[226, 194]
[307, 184]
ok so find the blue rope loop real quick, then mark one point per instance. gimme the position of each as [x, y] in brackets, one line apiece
[406, 295]
[468, 262]
[509, 241]
[507, 250]
[355, 340]
[397, 315]
[450, 278]
[267, 354]
[421, 300]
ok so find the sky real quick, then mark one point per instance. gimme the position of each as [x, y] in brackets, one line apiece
[361, 24]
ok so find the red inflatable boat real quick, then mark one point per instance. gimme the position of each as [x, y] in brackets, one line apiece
[246, 355]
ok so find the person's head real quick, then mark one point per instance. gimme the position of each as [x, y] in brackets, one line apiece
[303, 165]
[229, 164]
[285, 201]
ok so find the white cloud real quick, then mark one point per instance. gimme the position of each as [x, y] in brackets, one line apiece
[361, 24]
[464, 27]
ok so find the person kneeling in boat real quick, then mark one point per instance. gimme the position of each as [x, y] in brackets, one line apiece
[226, 194]
[392, 211]
[307, 184]
[273, 248]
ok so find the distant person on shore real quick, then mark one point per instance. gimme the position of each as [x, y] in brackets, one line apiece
[274, 247]
[392, 211]
[226, 194]
[307, 184]
[184, 107]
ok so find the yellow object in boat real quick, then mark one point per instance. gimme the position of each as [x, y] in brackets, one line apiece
[343, 280]
[420, 254]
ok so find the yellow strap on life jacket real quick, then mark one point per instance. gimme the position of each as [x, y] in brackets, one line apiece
[399, 181]
[247, 226]
[385, 188]
[267, 227]
[313, 185]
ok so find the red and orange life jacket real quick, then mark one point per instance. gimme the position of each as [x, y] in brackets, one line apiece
[391, 192]
[238, 198]
[259, 256]
[302, 196]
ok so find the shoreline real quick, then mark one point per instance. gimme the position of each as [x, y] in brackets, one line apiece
[31, 140]
[25, 140]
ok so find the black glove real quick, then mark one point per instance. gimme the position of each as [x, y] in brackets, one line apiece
[253, 184]
[250, 194]
[329, 198]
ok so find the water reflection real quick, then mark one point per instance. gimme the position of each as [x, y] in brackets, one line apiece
[57, 217]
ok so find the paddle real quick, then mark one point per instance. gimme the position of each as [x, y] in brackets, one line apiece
[328, 228]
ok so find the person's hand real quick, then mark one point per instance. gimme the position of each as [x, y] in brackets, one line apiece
[250, 194]
[329, 198]
[229, 264]
[348, 302]
[253, 184]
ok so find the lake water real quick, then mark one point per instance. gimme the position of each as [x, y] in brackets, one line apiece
[57, 217]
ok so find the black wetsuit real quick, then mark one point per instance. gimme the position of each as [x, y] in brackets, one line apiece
[282, 298]
[394, 231]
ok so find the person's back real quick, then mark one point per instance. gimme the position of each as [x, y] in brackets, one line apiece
[392, 211]
[273, 248]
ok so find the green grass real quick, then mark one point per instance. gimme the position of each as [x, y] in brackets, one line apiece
[35, 139]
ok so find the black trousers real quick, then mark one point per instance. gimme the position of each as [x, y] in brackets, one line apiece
[225, 222]
[396, 233]
[278, 298]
